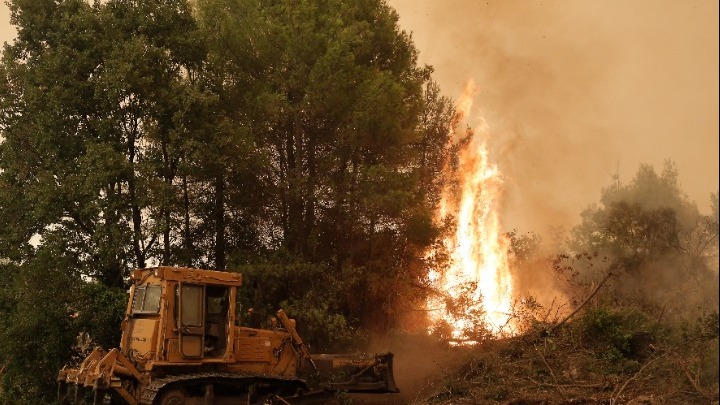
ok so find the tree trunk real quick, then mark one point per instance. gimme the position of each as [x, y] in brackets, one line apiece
[219, 214]
[187, 241]
[136, 213]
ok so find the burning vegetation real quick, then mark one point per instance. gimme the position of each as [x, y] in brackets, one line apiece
[622, 309]
[475, 289]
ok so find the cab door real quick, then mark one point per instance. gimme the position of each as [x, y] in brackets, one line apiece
[192, 320]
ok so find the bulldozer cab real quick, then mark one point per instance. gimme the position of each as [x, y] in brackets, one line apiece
[179, 315]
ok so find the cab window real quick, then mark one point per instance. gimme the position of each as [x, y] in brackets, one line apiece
[191, 305]
[147, 299]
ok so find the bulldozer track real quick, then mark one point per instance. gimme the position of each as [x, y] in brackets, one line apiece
[194, 379]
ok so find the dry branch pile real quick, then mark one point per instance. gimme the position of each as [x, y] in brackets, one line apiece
[579, 363]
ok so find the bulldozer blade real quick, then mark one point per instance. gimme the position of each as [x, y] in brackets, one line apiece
[75, 394]
[363, 373]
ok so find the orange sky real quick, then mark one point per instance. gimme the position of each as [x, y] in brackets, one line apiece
[575, 91]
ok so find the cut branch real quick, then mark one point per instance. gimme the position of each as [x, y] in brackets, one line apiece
[693, 381]
[614, 398]
[590, 297]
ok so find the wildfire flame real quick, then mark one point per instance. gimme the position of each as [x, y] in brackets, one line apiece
[477, 285]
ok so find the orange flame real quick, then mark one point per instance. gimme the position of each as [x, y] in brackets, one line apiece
[477, 285]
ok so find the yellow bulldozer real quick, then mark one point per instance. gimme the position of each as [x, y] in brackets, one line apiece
[183, 343]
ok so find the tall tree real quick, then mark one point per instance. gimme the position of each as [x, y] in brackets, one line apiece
[334, 99]
[97, 105]
[96, 109]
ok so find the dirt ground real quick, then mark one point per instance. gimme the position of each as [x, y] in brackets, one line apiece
[378, 399]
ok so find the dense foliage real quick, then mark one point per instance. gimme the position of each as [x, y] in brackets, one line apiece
[296, 142]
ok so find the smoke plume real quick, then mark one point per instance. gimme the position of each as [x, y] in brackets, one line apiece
[576, 92]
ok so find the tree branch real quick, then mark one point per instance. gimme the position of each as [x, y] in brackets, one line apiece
[614, 398]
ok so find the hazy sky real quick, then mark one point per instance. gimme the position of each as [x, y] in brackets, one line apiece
[575, 91]
[7, 31]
